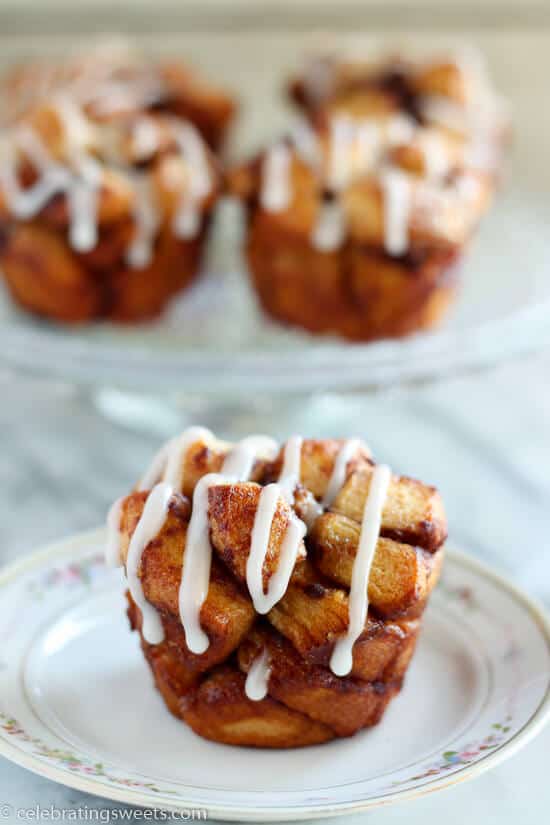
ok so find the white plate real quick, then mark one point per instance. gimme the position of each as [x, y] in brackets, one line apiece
[77, 703]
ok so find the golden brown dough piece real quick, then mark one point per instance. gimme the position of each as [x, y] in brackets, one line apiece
[220, 710]
[358, 219]
[303, 702]
[402, 576]
[227, 614]
[191, 97]
[358, 292]
[344, 705]
[107, 186]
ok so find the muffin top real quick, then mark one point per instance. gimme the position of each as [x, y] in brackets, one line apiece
[93, 143]
[114, 80]
[303, 536]
[452, 89]
[396, 154]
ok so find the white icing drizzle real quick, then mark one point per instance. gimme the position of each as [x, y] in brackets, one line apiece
[436, 162]
[145, 138]
[80, 187]
[353, 148]
[83, 187]
[330, 228]
[82, 208]
[290, 473]
[310, 510]
[257, 678]
[445, 112]
[187, 220]
[154, 472]
[356, 146]
[400, 129]
[24, 203]
[340, 161]
[151, 521]
[80, 177]
[176, 450]
[197, 559]
[239, 462]
[168, 465]
[78, 131]
[82, 203]
[275, 195]
[261, 531]
[338, 475]
[306, 143]
[146, 220]
[341, 661]
[116, 96]
[149, 526]
[367, 145]
[396, 188]
[112, 543]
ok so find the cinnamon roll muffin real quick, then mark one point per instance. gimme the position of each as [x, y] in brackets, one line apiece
[105, 189]
[358, 218]
[277, 590]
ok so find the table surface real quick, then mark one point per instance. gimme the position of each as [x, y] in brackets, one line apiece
[484, 440]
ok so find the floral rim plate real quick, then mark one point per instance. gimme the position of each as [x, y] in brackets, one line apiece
[77, 704]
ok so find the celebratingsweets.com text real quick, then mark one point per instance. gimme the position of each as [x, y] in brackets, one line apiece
[83, 813]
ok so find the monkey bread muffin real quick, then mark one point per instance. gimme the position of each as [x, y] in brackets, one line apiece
[277, 590]
[358, 218]
[106, 184]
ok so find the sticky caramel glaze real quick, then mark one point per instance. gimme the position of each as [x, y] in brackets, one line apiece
[356, 291]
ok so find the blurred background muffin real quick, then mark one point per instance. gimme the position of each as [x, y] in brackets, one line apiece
[106, 183]
[357, 219]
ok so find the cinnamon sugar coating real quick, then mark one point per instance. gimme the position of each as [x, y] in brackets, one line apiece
[305, 702]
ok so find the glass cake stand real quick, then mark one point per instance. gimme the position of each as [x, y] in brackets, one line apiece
[215, 340]
[214, 349]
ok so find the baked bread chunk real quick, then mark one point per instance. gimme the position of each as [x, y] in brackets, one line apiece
[277, 591]
[106, 184]
[358, 217]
